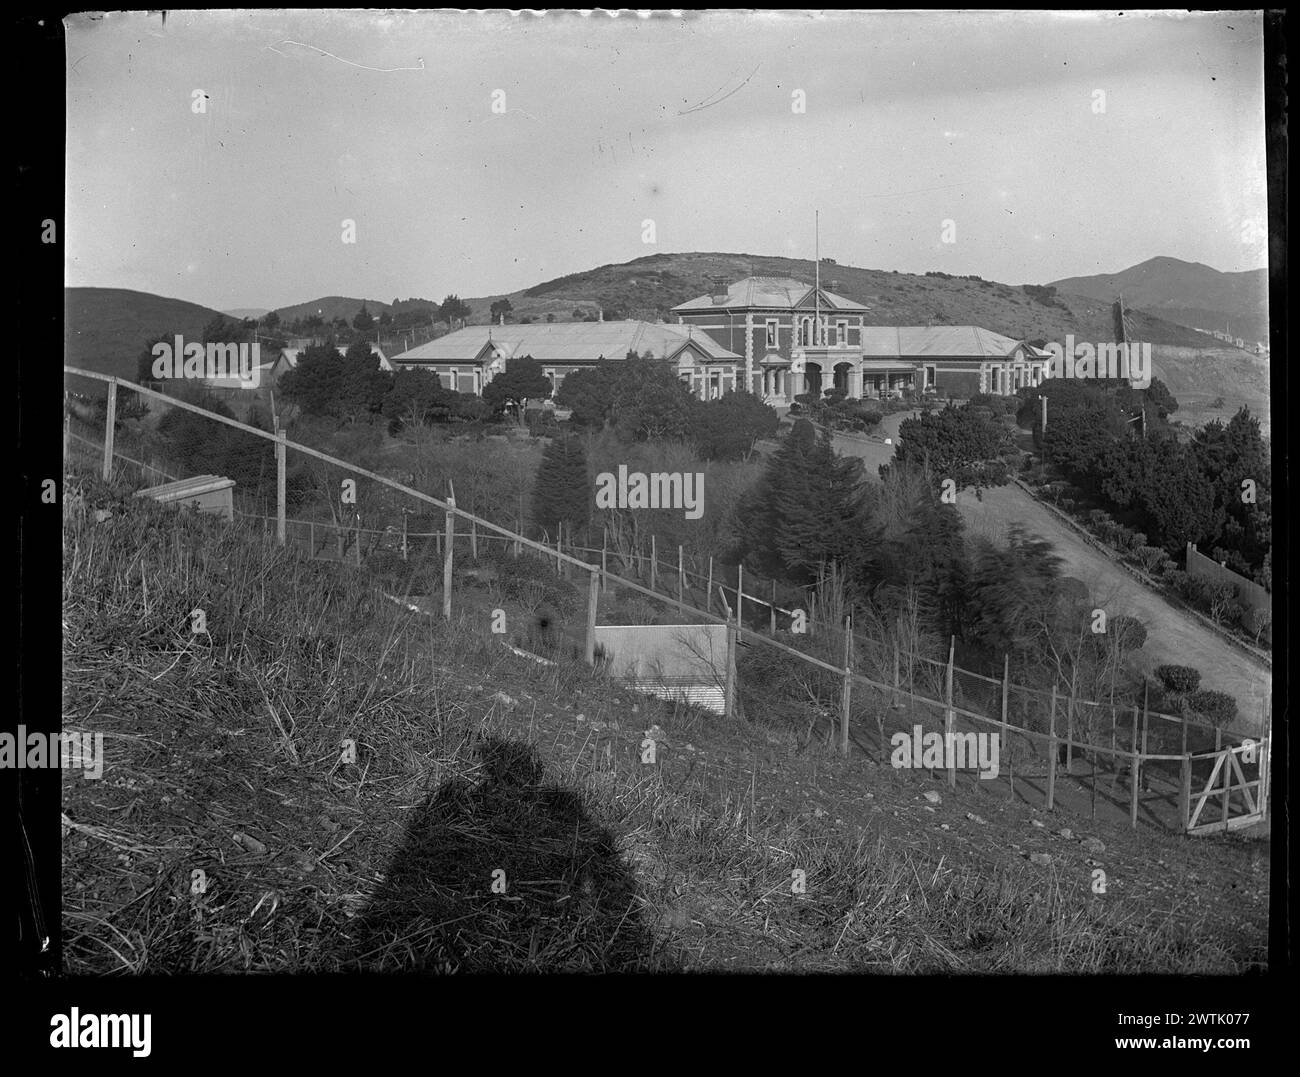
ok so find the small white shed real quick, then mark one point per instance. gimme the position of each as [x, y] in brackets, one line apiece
[207, 493]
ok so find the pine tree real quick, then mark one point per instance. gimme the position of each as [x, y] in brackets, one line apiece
[562, 492]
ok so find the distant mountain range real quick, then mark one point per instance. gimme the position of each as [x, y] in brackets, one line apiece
[1188, 293]
[107, 327]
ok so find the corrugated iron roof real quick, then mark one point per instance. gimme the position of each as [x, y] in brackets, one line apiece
[561, 342]
[936, 341]
[782, 293]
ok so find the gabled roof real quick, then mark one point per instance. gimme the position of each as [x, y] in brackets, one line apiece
[770, 293]
[937, 341]
[563, 342]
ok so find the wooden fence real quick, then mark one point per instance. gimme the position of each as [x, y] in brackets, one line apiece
[1135, 755]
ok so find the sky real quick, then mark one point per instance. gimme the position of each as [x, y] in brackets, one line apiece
[217, 156]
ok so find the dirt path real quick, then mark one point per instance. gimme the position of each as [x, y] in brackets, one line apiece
[1172, 636]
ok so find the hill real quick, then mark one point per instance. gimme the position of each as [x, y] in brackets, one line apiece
[246, 312]
[649, 287]
[1188, 293]
[330, 307]
[104, 329]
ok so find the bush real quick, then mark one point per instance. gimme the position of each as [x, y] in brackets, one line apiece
[530, 581]
[1219, 708]
[1151, 558]
[1179, 680]
[1131, 632]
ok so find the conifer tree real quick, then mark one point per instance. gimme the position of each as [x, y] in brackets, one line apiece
[562, 492]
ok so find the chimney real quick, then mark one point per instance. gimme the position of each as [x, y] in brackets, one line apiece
[600, 314]
[718, 290]
[502, 316]
[835, 286]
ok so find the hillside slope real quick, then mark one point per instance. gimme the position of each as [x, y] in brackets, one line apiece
[223, 753]
[104, 329]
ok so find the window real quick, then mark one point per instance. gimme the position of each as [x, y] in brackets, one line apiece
[805, 332]
[930, 376]
[771, 332]
[995, 380]
[455, 380]
[842, 331]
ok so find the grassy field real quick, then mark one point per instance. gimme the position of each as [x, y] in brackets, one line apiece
[366, 788]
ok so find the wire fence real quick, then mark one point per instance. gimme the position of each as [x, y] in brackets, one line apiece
[356, 515]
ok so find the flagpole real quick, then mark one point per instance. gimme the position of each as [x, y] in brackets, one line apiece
[817, 291]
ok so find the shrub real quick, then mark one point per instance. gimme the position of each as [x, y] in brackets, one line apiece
[1218, 708]
[1149, 557]
[1131, 632]
[1179, 680]
[530, 581]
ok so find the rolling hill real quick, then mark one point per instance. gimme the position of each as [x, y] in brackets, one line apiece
[105, 329]
[1188, 293]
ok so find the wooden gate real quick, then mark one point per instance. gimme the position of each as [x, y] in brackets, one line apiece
[1228, 775]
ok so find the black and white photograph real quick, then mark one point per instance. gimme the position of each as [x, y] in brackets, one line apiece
[751, 492]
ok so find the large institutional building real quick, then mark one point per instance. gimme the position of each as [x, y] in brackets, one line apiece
[795, 338]
[778, 337]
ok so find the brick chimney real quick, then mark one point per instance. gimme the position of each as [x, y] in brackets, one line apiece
[835, 286]
[718, 290]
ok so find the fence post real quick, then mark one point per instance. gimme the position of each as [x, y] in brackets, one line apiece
[358, 540]
[708, 589]
[729, 691]
[740, 600]
[1184, 788]
[1051, 753]
[593, 596]
[403, 536]
[446, 561]
[1134, 767]
[604, 567]
[681, 570]
[311, 539]
[110, 421]
[280, 453]
[1228, 758]
[473, 539]
[654, 563]
[772, 607]
[1069, 733]
[846, 699]
[950, 721]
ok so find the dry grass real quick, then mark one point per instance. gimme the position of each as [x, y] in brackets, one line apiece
[497, 815]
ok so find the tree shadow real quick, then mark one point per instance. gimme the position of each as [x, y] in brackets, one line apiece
[564, 902]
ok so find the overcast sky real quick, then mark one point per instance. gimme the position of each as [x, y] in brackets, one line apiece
[991, 121]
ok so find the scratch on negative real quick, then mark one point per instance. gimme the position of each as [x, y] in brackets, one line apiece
[341, 60]
[706, 103]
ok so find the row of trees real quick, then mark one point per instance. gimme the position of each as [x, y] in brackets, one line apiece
[1214, 489]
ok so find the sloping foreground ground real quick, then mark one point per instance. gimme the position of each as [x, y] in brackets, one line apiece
[498, 814]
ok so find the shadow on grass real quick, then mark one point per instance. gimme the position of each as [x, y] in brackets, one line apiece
[569, 905]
